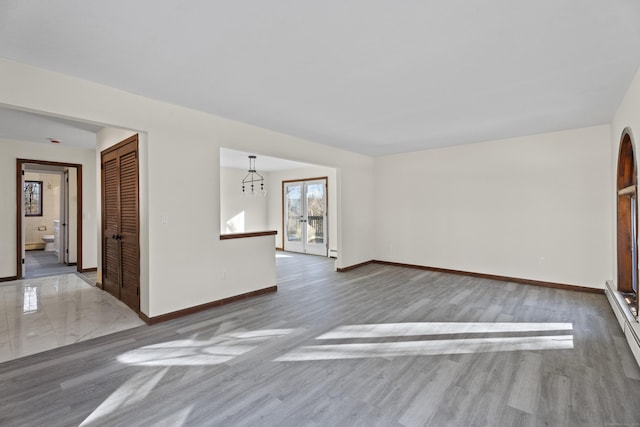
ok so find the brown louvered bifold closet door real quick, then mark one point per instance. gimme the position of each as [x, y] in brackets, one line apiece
[120, 225]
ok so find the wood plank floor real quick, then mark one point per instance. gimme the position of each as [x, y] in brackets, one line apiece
[376, 346]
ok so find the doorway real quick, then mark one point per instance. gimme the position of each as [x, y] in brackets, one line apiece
[57, 233]
[627, 222]
[305, 216]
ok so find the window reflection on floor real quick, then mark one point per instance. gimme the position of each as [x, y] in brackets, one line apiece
[30, 300]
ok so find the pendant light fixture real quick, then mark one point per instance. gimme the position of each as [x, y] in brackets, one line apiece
[252, 179]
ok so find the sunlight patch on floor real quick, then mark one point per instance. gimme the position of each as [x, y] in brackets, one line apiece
[278, 255]
[529, 340]
[135, 390]
[437, 328]
[427, 348]
[193, 352]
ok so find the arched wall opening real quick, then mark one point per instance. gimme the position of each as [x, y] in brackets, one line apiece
[627, 219]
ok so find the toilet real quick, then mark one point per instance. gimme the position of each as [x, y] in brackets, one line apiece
[48, 242]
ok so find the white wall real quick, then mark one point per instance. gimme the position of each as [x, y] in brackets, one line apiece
[275, 199]
[239, 213]
[12, 150]
[536, 207]
[182, 147]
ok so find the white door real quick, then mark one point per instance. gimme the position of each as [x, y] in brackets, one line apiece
[24, 267]
[305, 217]
[64, 208]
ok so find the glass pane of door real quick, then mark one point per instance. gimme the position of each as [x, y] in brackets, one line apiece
[293, 217]
[315, 213]
[294, 214]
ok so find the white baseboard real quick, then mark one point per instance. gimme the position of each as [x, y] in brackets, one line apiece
[628, 323]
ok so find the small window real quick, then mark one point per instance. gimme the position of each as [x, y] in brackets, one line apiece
[33, 198]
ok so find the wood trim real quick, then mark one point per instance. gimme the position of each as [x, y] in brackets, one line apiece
[19, 165]
[89, 270]
[627, 190]
[482, 276]
[499, 278]
[8, 279]
[279, 249]
[353, 267]
[206, 306]
[626, 185]
[120, 144]
[245, 235]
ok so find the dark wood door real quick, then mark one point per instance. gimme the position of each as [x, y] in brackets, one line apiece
[120, 222]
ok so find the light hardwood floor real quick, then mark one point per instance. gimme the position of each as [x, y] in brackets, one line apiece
[376, 346]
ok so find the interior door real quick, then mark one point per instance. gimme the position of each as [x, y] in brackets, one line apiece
[23, 228]
[305, 208]
[64, 207]
[72, 217]
[120, 222]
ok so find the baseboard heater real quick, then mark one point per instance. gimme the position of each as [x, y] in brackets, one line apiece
[628, 323]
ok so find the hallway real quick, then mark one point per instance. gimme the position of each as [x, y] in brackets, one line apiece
[40, 263]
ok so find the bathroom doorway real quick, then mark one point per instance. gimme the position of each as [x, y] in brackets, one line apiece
[49, 212]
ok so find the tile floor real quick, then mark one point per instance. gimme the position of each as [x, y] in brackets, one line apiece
[43, 263]
[43, 313]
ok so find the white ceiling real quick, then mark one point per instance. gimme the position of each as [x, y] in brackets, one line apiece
[370, 76]
[240, 160]
[25, 126]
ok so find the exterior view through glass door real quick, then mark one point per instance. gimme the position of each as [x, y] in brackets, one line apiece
[305, 216]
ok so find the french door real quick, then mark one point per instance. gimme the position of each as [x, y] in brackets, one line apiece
[305, 216]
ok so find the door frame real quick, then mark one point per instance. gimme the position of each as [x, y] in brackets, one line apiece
[326, 207]
[626, 216]
[19, 168]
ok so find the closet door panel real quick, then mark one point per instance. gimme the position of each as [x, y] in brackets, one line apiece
[111, 225]
[129, 227]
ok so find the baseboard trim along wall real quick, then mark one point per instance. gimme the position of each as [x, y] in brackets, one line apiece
[353, 267]
[206, 306]
[89, 270]
[482, 276]
[627, 322]
[8, 279]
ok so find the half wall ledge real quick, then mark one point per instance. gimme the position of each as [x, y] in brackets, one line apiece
[249, 234]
